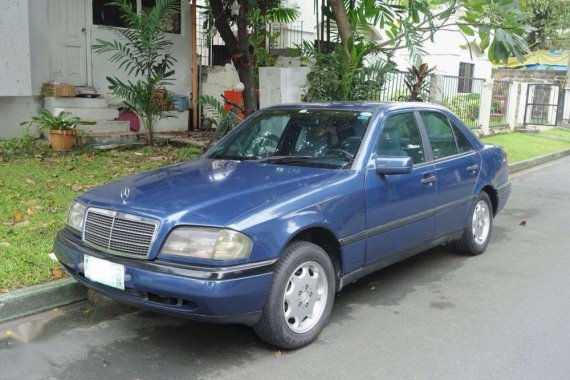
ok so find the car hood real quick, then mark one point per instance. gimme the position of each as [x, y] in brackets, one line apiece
[204, 192]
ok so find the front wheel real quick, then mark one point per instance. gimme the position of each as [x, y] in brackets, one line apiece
[301, 297]
[477, 233]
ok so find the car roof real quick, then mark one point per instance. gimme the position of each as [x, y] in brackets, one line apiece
[358, 106]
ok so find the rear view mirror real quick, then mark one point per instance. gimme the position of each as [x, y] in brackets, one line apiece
[393, 165]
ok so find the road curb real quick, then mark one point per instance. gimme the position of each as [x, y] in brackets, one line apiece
[35, 299]
[522, 165]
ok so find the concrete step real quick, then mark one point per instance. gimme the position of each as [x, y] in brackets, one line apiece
[109, 138]
[91, 114]
[51, 103]
[106, 126]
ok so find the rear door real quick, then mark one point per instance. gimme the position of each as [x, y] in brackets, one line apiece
[457, 167]
[399, 207]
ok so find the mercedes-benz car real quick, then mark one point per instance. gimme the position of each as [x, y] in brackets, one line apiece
[286, 210]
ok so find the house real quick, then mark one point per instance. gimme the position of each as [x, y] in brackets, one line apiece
[51, 41]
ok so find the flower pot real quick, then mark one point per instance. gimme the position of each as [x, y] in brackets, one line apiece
[61, 141]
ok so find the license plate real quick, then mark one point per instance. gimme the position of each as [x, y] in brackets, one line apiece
[104, 272]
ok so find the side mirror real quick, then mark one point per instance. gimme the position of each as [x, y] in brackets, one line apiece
[393, 165]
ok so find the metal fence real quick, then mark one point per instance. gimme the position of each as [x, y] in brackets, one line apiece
[499, 104]
[394, 88]
[462, 95]
[286, 36]
[565, 104]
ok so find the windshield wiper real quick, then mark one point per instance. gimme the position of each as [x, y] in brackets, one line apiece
[284, 159]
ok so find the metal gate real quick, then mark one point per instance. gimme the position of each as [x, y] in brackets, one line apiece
[541, 104]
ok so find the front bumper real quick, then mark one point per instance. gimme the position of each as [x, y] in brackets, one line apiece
[218, 295]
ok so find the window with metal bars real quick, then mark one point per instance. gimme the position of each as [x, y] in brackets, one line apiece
[465, 81]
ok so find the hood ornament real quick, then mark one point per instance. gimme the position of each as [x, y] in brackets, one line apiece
[125, 194]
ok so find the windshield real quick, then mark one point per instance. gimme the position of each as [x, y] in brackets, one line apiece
[308, 137]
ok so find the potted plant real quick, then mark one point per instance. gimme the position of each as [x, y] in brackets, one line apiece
[60, 127]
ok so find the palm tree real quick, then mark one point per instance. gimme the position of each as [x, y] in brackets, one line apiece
[143, 51]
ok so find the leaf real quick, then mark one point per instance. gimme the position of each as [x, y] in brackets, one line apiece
[77, 187]
[17, 216]
[29, 181]
[30, 212]
[5, 244]
[522, 223]
[277, 354]
[56, 273]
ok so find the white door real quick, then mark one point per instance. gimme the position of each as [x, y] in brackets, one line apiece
[68, 41]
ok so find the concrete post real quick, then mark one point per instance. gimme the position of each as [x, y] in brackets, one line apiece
[485, 107]
[522, 104]
[278, 85]
[436, 88]
[512, 104]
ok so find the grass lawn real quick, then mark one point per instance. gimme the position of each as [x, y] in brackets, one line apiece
[558, 132]
[36, 191]
[521, 146]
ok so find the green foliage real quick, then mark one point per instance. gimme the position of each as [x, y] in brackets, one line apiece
[64, 121]
[550, 18]
[26, 146]
[142, 50]
[496, 26]
[417, 82]
[226, 120]
[333, 77]
[466, 106]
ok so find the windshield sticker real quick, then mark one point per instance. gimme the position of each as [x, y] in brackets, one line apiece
[364, 115]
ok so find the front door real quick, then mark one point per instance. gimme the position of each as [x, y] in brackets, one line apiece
[399, 207]
[68, 41]
[457, 166]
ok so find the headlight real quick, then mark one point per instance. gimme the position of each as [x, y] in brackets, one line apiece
[76, 215]
[207, 243]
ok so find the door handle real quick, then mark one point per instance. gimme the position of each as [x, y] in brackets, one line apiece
[429, 180]
[473, 168]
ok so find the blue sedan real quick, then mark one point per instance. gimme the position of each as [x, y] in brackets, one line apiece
[286, 210]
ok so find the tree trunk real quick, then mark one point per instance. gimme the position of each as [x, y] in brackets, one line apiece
[342, 23]
[244, 63]
[238, 48]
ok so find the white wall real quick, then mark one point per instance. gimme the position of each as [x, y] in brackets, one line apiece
[15, 77]
[39, 44]
[445, 53]
[14, 110]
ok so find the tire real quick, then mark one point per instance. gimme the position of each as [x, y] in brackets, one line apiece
[303, 272]
[474, 241]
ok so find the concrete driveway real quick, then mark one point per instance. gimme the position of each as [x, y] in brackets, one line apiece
[502, 315]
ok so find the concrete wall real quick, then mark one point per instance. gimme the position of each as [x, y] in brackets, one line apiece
[530, 76]
[215, 80]
[14, 110]
[39, 44]
[279, 85]
[15, 77]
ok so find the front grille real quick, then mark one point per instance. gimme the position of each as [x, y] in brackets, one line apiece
[118, 233]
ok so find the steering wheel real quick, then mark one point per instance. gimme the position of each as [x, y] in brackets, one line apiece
[343, 152]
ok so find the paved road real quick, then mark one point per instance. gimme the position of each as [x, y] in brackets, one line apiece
[502, 315]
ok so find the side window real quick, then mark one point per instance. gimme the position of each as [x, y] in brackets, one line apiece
[401, 137]
[463, 145]
[440, 134]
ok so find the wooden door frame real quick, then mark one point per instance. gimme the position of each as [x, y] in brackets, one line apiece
[88, 44]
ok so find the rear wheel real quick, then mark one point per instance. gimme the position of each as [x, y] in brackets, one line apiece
[477, 233]
[300, 300]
